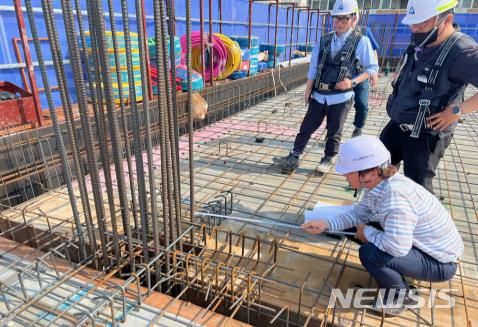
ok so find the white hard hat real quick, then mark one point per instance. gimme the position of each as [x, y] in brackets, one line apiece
[419, 11]
[344, 7]
[361, 153]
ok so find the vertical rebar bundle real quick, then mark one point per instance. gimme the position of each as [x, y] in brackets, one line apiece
[100, 147]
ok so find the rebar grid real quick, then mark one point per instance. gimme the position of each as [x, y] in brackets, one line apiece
[271, 195]
[65, 292]
[220, 171]
[256, 274]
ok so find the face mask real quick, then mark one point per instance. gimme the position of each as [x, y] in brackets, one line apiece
[421, 40]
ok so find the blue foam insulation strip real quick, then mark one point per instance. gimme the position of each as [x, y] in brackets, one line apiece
[235, 23]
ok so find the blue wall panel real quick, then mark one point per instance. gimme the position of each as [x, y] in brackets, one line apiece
[235, 17]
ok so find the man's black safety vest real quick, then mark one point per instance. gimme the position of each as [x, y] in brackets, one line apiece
[331, 71]
[423, 87]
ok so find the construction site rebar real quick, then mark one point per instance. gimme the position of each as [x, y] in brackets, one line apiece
[99, 220]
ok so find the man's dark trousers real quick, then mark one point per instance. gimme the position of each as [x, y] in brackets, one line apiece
[389, 271]
[420, 156]
[336, 115]
[361, 103]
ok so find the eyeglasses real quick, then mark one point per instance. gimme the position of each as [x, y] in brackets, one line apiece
[342, 19]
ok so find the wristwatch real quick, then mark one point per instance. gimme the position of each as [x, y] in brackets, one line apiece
[456, 110]
[354, 83]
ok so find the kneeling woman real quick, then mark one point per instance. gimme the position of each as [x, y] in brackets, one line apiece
[412, 234]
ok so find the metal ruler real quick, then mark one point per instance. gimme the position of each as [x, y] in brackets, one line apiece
[260, 222]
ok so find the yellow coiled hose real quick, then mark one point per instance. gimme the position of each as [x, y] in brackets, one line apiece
[234, 61]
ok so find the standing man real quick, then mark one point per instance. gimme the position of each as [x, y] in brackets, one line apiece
[329, 86]
[427, 99]
[361, 91]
